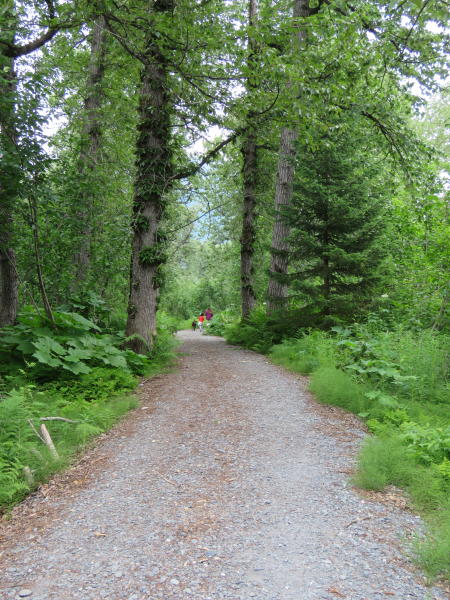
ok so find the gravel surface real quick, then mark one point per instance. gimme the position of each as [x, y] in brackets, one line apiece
[229, 482]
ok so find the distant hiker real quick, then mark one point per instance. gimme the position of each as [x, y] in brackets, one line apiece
[208, 315]
[200, 321]
[194, 324]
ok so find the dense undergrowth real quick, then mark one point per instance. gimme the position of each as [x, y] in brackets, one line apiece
[396, 379]
[77, 375]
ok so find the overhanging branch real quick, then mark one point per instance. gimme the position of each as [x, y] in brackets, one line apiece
[208, 157]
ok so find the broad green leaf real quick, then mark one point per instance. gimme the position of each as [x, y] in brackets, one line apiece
[77, 368]
[77, 354]
[47, 359]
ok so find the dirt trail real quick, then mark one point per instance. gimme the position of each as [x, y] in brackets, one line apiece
[228, 483]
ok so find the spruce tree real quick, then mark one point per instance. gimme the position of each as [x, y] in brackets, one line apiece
[337, 227]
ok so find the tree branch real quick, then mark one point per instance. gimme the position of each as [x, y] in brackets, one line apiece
[210, 210]
[208, 157]
[58, 419]
[122, 41]
[13, 51]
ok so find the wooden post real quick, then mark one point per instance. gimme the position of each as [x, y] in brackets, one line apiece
[28, 474]
[48, 441]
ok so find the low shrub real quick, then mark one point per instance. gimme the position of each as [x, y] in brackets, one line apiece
[220, 322]
[252, 333]
[73, 373]
[99, 384]
[73, 348]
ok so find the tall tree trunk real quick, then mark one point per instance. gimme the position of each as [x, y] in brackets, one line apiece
[9, 176]
[90, 154]
[250, 177]
[10, 159]
[277, 291]
[154, 171]
[37, 256]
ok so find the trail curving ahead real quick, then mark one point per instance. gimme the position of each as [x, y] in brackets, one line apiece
[228, 483]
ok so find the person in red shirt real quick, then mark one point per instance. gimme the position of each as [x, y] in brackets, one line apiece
[200, 321]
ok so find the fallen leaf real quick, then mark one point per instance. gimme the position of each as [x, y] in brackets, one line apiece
[99, 534]
[336, 592]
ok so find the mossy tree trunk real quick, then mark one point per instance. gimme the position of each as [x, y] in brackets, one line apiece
[153, 177]
[9, 176]
[250, 177]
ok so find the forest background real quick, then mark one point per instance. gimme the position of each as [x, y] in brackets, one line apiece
[283, 163]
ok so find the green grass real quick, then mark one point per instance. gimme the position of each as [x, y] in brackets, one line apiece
[333, 386]
[186, 324]
[299, 355]
[384, 461]
[432, 551]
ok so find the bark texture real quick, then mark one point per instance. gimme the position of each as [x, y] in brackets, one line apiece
[9, 177]
[37, 255]
[277, 291]
[90, 151]
[250, 178]
[154, 174]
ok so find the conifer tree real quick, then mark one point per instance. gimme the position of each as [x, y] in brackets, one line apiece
[337, 226]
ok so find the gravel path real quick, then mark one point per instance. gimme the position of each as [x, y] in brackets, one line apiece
[227, 483]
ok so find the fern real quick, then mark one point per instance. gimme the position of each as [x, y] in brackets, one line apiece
[85, 430]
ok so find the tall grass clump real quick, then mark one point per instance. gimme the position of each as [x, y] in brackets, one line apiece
[306, 353]
[384, 461]
[432, 551]
[332, 386]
